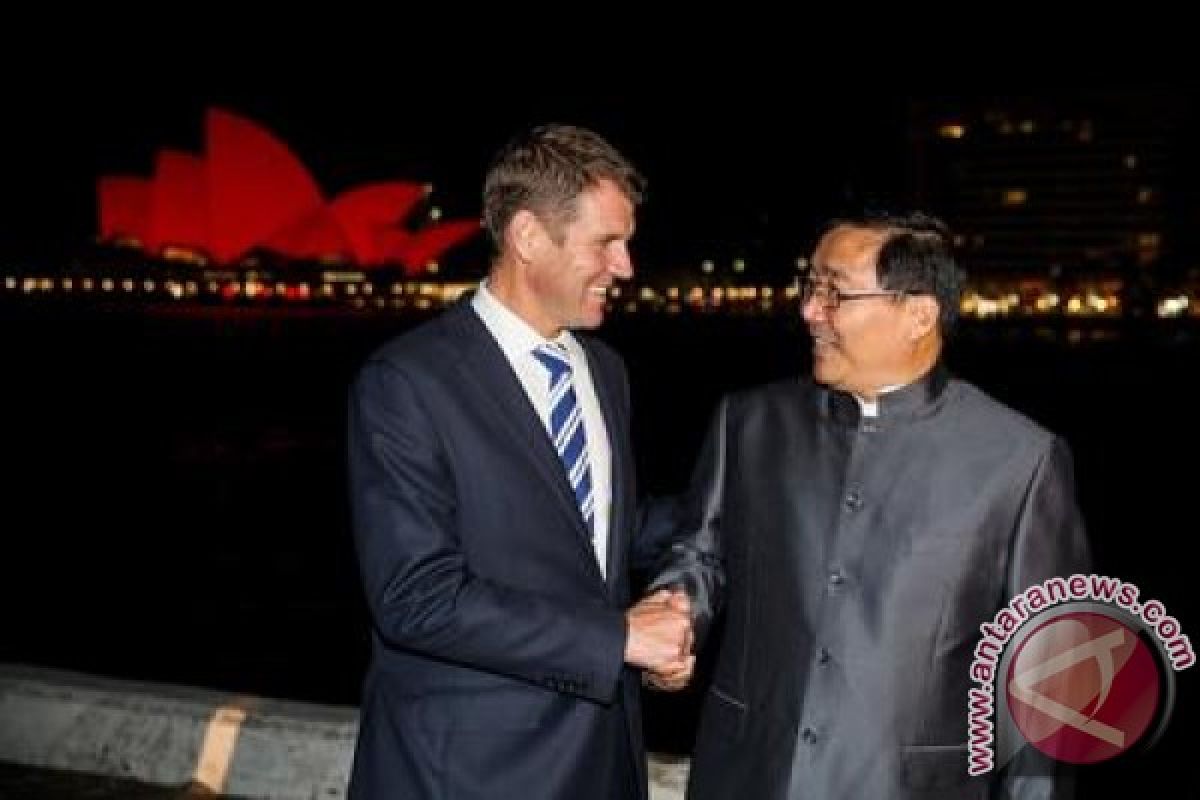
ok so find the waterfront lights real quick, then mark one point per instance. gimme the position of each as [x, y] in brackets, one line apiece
[1047, 302]
[1173, 306]
[1023, 298]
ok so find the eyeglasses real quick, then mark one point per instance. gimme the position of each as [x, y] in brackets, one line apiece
[831, 297]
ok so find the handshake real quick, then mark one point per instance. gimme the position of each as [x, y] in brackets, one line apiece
[660, 640]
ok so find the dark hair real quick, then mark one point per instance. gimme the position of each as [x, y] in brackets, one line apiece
[916, 256]
[544, 170]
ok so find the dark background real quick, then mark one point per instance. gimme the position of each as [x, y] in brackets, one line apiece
[173, 493]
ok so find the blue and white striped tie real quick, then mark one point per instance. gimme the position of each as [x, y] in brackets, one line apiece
[566, 428]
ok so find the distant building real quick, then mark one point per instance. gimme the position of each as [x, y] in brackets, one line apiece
[1088, 182]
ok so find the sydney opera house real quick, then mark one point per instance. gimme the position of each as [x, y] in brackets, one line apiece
[245, 223]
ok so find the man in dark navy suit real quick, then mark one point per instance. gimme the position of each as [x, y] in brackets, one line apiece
[493, 501]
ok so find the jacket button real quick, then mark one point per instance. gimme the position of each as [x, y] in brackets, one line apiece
[822, 656]
[836, 578]
[808, 735]
[854, 500]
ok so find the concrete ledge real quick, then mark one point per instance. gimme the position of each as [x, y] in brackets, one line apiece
[174, 735]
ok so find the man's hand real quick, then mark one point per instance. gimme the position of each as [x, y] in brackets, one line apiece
[660, 639]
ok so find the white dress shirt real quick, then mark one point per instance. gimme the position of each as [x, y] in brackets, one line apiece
[518, 341]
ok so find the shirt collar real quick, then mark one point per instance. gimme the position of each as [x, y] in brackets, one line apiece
[516, 337]
[893, 403]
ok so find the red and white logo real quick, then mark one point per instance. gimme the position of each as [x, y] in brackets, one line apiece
[1083, 687]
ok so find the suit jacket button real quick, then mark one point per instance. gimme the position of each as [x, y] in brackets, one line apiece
[836, 578]
[822, 656]
[854, 501]
[809, 736]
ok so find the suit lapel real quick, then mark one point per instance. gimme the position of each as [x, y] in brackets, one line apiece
[615, 423]
[486, 368]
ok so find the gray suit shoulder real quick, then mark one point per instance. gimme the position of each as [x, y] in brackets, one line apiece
[787, 392]
[1003, 421]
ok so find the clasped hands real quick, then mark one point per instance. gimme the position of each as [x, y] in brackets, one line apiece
[660, 639]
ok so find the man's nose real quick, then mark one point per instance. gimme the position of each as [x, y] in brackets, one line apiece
[621, 264]
[813, 309]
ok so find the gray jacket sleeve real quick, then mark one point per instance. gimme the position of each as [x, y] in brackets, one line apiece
[693, 558]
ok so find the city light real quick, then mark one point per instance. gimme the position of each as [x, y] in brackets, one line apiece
[989, 298]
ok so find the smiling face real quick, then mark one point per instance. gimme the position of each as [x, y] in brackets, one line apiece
[565, 269]
[866, 343]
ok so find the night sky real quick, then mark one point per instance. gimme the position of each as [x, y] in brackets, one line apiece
[730, 174]
[748, 144]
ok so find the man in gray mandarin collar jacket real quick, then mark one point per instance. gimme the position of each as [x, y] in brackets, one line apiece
[868, 522]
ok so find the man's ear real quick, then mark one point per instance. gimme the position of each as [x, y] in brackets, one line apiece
[525, 235]
[922, 316]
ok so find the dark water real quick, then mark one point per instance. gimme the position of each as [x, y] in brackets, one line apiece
[174, 505]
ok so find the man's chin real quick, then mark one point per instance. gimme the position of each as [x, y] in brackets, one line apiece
[588, 321]
[592, 314]
[824, 372]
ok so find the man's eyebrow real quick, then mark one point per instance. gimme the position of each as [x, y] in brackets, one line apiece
[829, 271]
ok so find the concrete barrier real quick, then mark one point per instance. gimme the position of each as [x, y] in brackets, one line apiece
[175, 735]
